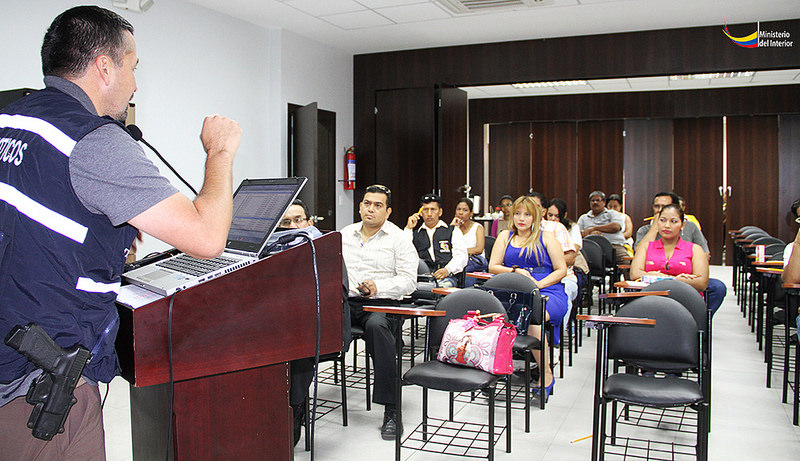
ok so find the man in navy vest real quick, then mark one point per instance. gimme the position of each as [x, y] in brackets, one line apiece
[75, 189]
[442, 249]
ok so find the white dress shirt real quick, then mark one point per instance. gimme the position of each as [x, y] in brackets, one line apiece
[458, 248]
[387, 257]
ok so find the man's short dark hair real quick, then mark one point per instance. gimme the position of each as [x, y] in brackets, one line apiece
[303, 205]
[430, 198]
[541, 197]
[672, 195]
[380, 189]
[81, 34]
[795, 207]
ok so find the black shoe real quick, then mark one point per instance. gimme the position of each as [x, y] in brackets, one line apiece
[299, 420]
[390, 428]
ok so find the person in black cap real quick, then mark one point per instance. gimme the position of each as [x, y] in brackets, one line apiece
[443, 250]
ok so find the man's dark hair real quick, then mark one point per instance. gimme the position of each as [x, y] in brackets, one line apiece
[429, 198]
[379, 189]
[541, 197]
[795, 206]
[79, 35]
[598, 192]
[614, 197]
[303, 205]
[671, 195]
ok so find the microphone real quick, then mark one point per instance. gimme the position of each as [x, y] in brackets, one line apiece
[136, 134]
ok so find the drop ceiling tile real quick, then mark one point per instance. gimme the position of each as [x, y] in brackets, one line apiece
[357, 20]
[388, 3]
[413, 13]
[325, 7]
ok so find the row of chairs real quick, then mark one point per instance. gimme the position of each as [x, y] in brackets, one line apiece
[770, 309]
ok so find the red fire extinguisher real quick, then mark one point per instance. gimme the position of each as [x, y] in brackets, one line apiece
[350, 168]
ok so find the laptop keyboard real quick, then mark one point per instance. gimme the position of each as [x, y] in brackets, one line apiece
[193, 266]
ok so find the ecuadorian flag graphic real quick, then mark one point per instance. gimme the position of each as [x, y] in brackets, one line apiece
[750, 41]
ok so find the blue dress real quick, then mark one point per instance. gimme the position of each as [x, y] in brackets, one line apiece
[557, 302]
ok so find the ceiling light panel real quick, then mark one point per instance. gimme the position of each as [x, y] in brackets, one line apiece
[357, 20]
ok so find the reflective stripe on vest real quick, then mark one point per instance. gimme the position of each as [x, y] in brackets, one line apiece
[43, 215]
[89, 285]
[47, 131]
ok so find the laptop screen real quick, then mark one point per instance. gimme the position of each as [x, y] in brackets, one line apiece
[258, 206]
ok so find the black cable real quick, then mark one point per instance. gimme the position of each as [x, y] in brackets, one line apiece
[103, 403]
[171, 377]
[136, 134]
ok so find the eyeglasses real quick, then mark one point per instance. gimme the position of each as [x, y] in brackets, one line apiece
[379, 188]
[286, 222]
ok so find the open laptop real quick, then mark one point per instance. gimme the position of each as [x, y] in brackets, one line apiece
[258, 206]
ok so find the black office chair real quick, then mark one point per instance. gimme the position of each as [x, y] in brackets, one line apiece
[609, 258]
[488, 244]
[674, 339]
[593, 253]
[433, 374]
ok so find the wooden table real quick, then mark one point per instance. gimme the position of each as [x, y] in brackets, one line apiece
[626, 286]
[399, 313]
[480, 275]
[444, 291]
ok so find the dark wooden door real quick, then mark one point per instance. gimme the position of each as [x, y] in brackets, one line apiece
[509, 160]
[600, 157]
[452, 146]
[404, 147]
[753, 172]
[553, 159]
[789, 151]
[648, 165]
[697, 158]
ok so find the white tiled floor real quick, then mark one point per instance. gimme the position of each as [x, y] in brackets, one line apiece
[749, 422]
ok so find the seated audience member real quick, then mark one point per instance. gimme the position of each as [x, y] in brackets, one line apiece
[504, 223]
[558, 212]
[690, 233]
[296, 217]
[671, 256]
[570, 281]
[473, 234]
[302, 370]
[608, 223]
[538, 255]
[614, 202]
[381, 269]
[791, 257]
[689, 217]
[442, 249]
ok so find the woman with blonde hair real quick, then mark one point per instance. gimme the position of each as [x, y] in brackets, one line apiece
[526, 249]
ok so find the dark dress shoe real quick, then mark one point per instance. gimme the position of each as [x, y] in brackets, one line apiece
[389, 429]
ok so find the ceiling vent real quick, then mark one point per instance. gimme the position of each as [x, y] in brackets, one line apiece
[139, 6]
[478, 6]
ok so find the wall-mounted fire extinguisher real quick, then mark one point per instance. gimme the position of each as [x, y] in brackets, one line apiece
[350, 168]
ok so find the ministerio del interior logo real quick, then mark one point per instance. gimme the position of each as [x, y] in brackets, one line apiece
[762, 38]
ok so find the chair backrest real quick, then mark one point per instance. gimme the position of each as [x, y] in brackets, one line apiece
[488, 244]
[748, 228]
[456, 305]
[594, 257]
[775, 248]
[518, 282]
[753, 233]
[687, 296]
[609, 255]
[673, 341]
[767, 240]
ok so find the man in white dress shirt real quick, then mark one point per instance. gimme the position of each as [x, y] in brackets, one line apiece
[381, 269]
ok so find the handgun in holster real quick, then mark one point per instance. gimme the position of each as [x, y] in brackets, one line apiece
[51, 394]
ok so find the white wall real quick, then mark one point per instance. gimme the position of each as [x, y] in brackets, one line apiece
[313, 72]
[195, 62]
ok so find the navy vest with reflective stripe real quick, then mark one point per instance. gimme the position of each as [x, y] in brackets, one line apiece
[59, 263]
[442, 246]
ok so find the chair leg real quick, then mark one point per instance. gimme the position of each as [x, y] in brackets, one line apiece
[796, 402]
[491, 424]
[368, 381]
[508, 414]
[601, 441]
[424, 414]
[344, 389]
[528, 391]
[451, 412]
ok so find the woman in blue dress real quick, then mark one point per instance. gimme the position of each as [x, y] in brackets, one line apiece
[528, 250]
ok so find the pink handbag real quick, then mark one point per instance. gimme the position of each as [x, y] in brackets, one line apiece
[476, 342]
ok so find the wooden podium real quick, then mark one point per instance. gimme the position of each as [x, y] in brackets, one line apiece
[231, 340]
